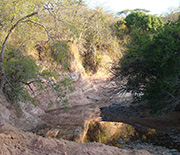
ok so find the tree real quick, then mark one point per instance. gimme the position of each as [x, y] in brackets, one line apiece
[171, 15]
[18, 69]
[11, 20]
[67, 18]
[136, 21]
[144, 21]
[150, 67]
[28, 25]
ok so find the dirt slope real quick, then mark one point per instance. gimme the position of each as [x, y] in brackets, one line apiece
[16, 142]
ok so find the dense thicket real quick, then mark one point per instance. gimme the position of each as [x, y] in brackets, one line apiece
[150, 65]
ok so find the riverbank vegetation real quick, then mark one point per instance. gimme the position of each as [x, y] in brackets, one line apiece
[149, 67]
[41, 38]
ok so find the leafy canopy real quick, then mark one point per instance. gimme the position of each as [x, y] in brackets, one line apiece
[144, 21]
[150, 65]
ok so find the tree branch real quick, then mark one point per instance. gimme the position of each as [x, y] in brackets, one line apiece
[37, 23]
[5, 43]
[9, 83]
[29, 83]
[9, 33]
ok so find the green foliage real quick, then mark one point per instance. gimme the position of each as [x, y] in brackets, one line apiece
[165, 60]
[61, 89]
[150, 66]
[121, 31]
[59, 51]
[48, 73]
[53, 21]
[137, 20]
[19, 70]
[144, 21]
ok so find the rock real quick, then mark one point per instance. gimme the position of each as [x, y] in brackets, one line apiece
[75, 76]
[4, 114]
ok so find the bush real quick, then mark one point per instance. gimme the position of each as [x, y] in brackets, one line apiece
[136, 21]
[59, 51]
[150, 67]
[144, 21]
[19, 70]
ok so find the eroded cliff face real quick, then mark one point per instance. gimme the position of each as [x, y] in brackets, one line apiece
[55, 122]
[83, 108]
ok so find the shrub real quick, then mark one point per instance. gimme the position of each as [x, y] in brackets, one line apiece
[59, 51]
[150, 67]
[19, 70]
[144, 21]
